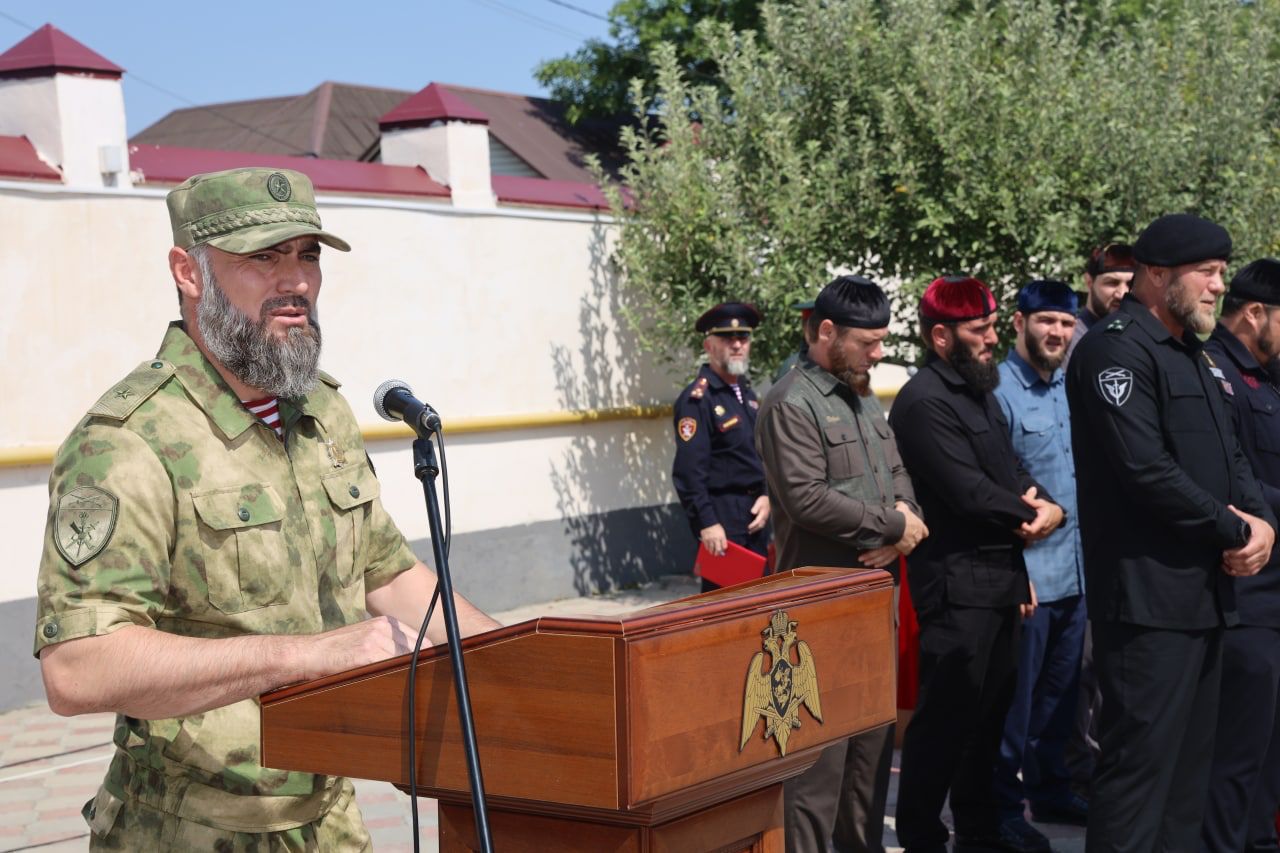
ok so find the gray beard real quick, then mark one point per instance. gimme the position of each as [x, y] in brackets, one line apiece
[1184, 311]
[282, 368]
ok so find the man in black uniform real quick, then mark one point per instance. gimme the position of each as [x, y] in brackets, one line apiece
[1244, 782]
[717, 472]
[968, 580]
[1172, 511]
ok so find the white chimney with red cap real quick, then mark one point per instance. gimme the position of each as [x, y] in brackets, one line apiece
[439, 131]
[68, 102]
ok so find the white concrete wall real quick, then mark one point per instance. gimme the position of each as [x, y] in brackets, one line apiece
[483, 314]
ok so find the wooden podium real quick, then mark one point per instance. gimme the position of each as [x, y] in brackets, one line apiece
[619, 733]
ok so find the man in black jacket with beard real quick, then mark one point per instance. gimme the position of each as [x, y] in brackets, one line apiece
[1172, 515]
[1244, 782]
[968, 580]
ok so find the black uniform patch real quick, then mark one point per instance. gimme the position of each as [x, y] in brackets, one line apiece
[1115, 384]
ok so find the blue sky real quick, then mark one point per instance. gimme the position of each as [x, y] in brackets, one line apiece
[213, 52]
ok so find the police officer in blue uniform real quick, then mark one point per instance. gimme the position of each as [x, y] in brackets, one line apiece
[1172, 515]
[717, 472]
[1243, 353]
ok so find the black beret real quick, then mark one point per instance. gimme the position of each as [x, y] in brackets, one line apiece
[1181, 238]
[852, 300]
[1258, 282]
[729, 317]
[1047, 295]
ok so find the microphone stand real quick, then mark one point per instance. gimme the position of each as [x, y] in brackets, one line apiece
[426, 470]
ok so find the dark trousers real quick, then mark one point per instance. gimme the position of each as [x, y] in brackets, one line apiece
[1244, 783]
[842, 797]
[1082, 748]
[1159, 713]
[1042, 714]
[734, 512]
[967, 675]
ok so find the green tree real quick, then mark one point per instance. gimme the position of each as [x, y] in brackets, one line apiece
[906, 139]
[595, 80]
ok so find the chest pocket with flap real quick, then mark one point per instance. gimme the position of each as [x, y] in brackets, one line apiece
[844, 452]
[351, 490]
[245, 559]
[1188, 407]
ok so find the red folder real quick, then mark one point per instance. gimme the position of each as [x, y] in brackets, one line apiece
[736, 565]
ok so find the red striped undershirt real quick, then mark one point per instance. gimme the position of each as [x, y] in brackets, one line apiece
[267, 410]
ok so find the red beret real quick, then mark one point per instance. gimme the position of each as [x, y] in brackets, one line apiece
[956, 298]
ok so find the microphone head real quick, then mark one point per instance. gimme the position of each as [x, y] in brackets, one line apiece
[380, 396]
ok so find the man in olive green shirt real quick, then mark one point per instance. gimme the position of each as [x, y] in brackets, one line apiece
[840, 497]
[215, 531]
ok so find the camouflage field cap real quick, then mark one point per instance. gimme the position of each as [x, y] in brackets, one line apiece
[246, 210]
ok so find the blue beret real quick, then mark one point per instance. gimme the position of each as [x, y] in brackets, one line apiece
[852, 300]
[1181, 238]
[1047, 295]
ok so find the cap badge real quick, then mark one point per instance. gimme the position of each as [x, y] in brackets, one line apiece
[278, 186]
[735, 322]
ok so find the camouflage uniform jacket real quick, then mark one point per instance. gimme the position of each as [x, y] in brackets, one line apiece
[174, 508]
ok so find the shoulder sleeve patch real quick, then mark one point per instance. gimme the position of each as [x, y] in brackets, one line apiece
[126, 395]
[328, 380]
[86, 518]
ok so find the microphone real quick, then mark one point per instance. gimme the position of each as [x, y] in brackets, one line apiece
[394, 401]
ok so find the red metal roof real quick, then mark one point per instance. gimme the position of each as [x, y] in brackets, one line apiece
[434, 103]
[18, 159]
[166, 164]
[49, 49]
[516, 190]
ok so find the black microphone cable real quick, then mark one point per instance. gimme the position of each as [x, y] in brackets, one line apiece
[417, 647]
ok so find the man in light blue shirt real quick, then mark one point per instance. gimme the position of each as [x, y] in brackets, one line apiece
[1032, 395]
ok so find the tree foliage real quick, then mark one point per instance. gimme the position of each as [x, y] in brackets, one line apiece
[909, 138]
[596, 79]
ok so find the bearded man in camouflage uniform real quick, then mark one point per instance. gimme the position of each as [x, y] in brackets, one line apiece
[196, 556]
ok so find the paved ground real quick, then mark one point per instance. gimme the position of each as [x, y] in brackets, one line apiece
[49, 765]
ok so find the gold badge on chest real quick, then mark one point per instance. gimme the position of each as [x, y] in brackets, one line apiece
[336, 454]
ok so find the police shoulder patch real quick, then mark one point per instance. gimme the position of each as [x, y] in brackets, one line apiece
[687, 428]
[86, 518]
[129, 393]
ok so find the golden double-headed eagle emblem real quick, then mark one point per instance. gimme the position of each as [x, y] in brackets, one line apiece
[778, 692]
